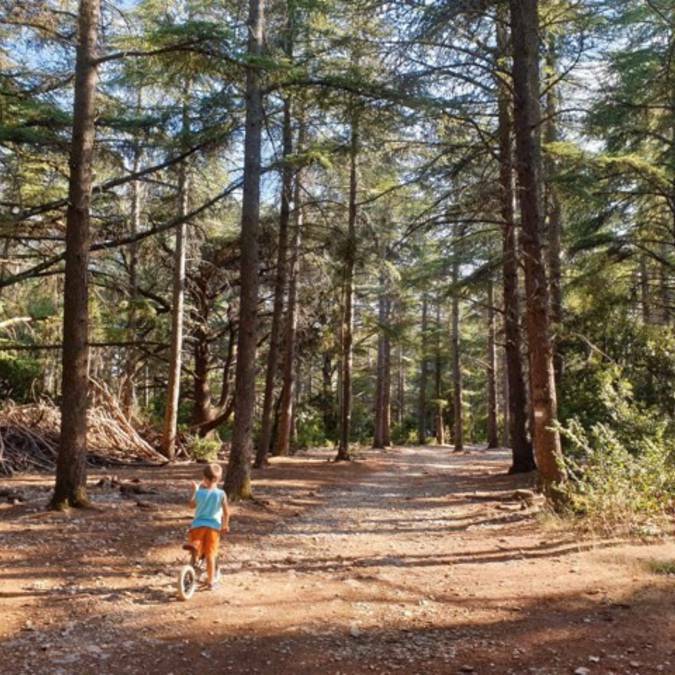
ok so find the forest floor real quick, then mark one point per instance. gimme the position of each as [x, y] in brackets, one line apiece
[407, 561]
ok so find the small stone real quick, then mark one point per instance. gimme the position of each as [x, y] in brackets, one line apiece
[594, 659]
[582, 671]
[355, 631]
[467, 669]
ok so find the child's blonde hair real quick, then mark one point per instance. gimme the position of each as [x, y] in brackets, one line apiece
[213, 472]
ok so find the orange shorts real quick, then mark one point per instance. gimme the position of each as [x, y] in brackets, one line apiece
[206, 540]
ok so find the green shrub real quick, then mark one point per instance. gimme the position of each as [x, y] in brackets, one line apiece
[310, 429]
[405, 433]
[18, 376]
[205, 449]
[612, 487]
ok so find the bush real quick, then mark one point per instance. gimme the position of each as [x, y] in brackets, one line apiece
[310, 429]
[621, 475]
[405, 433]
[18, 376]
[205, 449]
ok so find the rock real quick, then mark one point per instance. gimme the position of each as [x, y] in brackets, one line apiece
[355, 631]
[467, 669]
[594, 659]
[582, 671]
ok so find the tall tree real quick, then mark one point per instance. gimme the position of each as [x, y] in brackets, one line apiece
[553, 203]
[523, 459]
[422, 394]
[381, 436]
[238, 477]
[525, 39]
[455, 337]
[347, 337]
[282, 255]
[492, 426]
[71, 468]
[287, 403]
[438, 378]
[178, 295]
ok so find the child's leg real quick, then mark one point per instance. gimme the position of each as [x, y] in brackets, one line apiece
[210, 567]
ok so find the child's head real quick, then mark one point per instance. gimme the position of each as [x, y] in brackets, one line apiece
[212, 473]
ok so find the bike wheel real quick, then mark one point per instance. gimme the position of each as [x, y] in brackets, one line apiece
[187, 582]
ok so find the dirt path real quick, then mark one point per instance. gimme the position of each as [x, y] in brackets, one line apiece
[413, 561]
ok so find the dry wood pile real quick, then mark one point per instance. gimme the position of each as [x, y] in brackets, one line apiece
[29, 436]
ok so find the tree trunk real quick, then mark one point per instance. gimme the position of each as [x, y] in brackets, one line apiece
[554, 208]
[282, 264]
[129, 386]
[504, 379]
[400, 394]
[457, 384]
[381, 436]
[523, 459]
[285, 428]
[201, 413]
[327, 397]
[440, 425]
[177, 304]
[524, 21]
[238, 478]
[386, 402]
[422, 398]
[343, 453]
[492, 426]
[71, 465]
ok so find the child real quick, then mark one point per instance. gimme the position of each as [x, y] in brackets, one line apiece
[211, 518]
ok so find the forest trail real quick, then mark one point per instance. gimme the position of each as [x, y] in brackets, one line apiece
[411, 561]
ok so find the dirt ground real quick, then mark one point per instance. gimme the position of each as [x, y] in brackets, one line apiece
[407, 561]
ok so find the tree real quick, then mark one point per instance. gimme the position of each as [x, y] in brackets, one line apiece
[238, 477]
[457, 378]
[347, 339]
[492, 427]
[71, 468]
[523, 459]
[178, 299]
[286, 408]
[546, 439]
[282, 255]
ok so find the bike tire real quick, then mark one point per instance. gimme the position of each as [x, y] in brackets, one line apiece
[187, 582]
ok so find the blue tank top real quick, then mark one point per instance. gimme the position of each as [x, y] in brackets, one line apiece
[209, 510]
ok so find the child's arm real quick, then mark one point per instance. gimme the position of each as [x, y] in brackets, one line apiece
[226, 516]
[193, 498]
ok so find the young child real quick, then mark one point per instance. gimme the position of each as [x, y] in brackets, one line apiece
[211, 518]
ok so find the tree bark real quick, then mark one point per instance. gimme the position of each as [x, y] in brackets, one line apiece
[522, 457]
[282, 263]
[524, 22]
[238, 477]
[554, 208]
[438, 374]
[169, 433]
[201, 413]
[129, 385]
[422, 396]
[400, 383]
[492, 412]
[285, 427]
[381, 436]
[71, 465]
[343, 453]
[457, 380]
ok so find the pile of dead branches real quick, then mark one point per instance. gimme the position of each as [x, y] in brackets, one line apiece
[29, 436]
